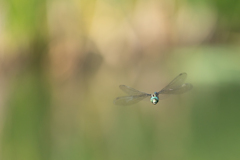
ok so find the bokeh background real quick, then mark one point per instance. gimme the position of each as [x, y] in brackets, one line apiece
[61, 63]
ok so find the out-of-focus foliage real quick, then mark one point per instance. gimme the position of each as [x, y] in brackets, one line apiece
[61, 63]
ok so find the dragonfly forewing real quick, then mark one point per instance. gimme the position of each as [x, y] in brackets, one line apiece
[130, 91]
[128, 100]
[177, 85]
[176, 82]
[179, 90]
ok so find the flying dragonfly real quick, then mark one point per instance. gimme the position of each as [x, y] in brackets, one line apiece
[176, 86]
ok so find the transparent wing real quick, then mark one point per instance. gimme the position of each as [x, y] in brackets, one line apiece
[176, 82]
[163, 96]
[177, 86]
[130, 91]
[128, 100]
[181, 89]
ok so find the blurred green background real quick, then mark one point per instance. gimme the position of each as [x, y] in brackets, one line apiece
[61, 63]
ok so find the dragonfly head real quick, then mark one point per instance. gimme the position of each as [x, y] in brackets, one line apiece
[154, 98]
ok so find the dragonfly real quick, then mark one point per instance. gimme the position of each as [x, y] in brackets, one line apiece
[176, 86]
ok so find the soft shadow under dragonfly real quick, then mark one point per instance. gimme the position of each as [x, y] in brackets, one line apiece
[176, 86]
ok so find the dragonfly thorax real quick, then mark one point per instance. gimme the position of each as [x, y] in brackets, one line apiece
[154, 98]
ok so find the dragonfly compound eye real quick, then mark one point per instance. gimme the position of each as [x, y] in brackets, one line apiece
[154, 100]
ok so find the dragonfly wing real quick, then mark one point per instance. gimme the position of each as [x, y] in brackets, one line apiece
[163, 96]
[177, 85]
[180, 89]
[176, 82]
[130, 91]
[128, 100]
